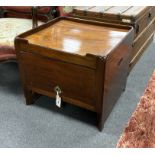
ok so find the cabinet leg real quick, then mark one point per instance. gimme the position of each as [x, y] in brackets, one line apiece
[100, 122]
[30, 96]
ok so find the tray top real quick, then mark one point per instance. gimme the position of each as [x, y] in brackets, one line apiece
[78, 38]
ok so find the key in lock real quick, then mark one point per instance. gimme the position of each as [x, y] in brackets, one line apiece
[58, 98]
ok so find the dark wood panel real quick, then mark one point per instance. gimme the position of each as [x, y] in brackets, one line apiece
[75, 81]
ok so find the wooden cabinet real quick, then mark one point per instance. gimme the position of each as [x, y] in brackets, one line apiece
[88, 61]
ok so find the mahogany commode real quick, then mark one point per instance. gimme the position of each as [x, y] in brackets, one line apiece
[87, 60]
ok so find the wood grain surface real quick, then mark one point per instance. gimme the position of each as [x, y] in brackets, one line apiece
[79, 38]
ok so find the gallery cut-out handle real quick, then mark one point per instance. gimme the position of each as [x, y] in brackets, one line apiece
[120, 61]
[58, 98]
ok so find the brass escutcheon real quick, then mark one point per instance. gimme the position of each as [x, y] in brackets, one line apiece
[57, 89]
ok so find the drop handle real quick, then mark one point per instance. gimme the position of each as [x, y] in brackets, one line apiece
[58, 97]
[120, 61]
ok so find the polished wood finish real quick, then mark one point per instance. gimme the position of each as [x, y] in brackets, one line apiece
[78, 38]
[91, 68]
[140, 17]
